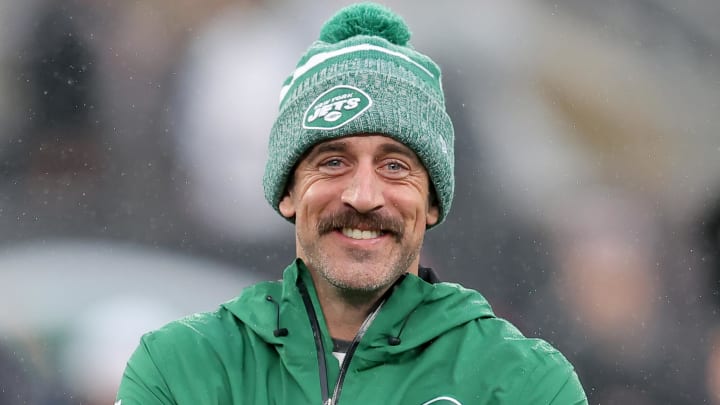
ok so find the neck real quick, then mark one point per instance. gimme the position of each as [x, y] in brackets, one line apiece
[345, 311]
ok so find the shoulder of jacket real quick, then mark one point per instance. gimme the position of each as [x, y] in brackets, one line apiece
[191, 328]
[457, 293]
[536, 367]
[547, 376]
[505, 333]
[506, 341]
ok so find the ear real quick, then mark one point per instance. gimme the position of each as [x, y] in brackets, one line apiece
[287, 206]
[432, 216]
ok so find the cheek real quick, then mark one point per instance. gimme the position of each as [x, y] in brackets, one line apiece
[413, 206]
[315, 199]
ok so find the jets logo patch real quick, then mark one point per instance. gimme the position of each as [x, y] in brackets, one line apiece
[336, 107]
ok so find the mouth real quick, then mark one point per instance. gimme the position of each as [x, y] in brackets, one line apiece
[354, 233]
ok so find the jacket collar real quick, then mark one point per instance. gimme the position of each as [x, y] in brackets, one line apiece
[416, 311]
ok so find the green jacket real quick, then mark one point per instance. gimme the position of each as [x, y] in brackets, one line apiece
[429, 343]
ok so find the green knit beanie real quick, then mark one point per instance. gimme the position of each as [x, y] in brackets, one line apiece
[363, 77]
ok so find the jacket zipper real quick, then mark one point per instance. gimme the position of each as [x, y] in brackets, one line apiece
[322, 363]
[315, 325]
[351, 350]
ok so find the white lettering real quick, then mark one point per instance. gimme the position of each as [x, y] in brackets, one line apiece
[330, 110]
[336, 107]
[333, 116]
[341, 97]
[320, 111]
[352, 103]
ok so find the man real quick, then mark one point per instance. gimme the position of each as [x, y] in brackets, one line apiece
[361, 160]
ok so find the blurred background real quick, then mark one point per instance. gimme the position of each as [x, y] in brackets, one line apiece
[133, 139]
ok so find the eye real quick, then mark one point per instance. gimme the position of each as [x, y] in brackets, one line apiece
[395, 165]
[395, 169]
[332, 163]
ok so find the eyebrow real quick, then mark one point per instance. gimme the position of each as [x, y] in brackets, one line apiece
[325, 147]
[388, 148]
[342, 146]
[335, 146]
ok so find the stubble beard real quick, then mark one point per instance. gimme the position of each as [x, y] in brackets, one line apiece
[366, 275]
[358, 274]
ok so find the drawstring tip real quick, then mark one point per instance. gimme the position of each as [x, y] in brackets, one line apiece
[279, 332]
[393, 340]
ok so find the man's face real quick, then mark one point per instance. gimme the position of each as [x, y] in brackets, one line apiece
[361, 205]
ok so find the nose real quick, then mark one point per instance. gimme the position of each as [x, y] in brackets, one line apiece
[365, 191]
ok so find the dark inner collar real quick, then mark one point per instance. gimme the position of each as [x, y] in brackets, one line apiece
[341, 346]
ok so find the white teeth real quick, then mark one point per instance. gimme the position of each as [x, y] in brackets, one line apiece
[358, 234]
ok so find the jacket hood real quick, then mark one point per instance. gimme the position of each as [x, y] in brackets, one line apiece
[415, 313]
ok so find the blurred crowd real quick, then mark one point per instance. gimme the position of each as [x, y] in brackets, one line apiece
[587, 209]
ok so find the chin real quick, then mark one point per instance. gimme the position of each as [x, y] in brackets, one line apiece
[358, 279]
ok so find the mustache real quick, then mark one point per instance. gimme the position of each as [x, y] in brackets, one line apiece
[354, 219]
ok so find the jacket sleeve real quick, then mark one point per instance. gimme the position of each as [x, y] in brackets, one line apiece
[143, 382]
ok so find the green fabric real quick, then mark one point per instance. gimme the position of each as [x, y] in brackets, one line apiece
[363, 49]
[451, 346]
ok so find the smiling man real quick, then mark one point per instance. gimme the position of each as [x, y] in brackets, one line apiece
[361, 206]
[361, 161]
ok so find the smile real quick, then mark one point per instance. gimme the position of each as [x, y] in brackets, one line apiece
[359, 234]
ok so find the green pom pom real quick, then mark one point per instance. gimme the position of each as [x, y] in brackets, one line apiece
[366, 19]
